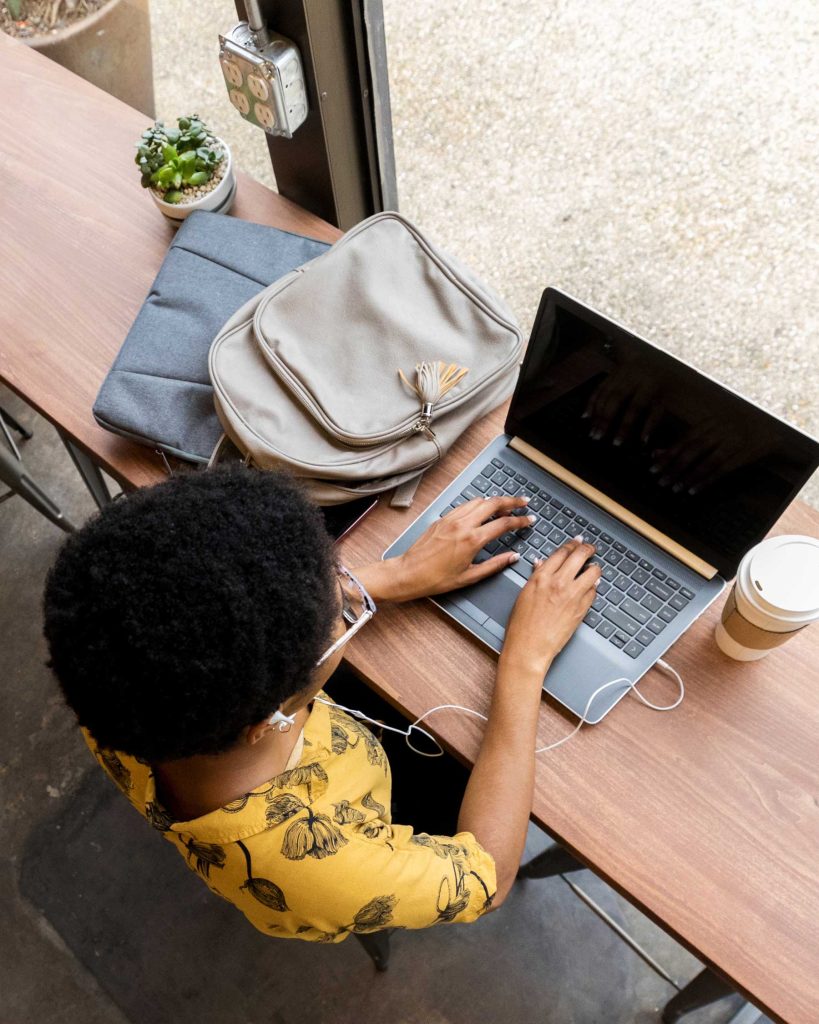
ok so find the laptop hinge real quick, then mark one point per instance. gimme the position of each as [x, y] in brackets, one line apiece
[645, 529]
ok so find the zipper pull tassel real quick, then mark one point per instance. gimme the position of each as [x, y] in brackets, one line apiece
[433, 379]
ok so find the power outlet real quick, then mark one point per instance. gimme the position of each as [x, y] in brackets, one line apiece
[265, 85]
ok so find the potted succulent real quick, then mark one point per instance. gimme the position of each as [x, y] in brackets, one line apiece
[186, 168]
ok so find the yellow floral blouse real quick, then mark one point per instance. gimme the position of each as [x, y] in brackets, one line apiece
[313, 854]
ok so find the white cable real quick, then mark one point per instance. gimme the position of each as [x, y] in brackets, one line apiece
[439, 707]
[470, 711]
[677, 702]
[403, 732]
[632, 686]
[582, 720]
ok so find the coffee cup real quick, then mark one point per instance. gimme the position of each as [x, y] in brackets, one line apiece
[774, 596]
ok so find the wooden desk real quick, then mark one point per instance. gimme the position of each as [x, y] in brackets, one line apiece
[707, 818]
[81, 243]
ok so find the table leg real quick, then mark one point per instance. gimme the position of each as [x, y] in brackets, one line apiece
[705, 988]
[89, 471]
[553, 861]
[747, 1015]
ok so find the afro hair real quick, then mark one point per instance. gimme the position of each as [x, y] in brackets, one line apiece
[187, 611]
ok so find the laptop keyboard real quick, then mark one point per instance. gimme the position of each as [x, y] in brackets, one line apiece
[635, 600]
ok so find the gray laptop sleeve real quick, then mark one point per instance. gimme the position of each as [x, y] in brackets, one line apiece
[158, 391]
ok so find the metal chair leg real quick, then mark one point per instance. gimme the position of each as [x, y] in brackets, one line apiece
[705, 988]
[13, 473]
[377, 945]
[553, 861]
[12, 422]
[9, 439]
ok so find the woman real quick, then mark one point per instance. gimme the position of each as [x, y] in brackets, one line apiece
[192, 627]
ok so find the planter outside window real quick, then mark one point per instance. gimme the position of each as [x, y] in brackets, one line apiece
[108, 43]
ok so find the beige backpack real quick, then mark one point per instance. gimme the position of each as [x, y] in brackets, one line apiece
[359, 370]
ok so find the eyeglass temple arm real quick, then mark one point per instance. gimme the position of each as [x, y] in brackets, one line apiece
[346, 637]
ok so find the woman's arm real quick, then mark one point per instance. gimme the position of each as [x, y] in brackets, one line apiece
[498, 798]
[441, 558]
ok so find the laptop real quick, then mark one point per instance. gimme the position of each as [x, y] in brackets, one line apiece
[670, 474]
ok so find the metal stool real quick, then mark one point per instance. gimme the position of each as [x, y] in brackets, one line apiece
[14, 475]
[6, 421]
[377, 945]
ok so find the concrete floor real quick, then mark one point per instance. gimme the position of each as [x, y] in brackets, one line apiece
[658, 162]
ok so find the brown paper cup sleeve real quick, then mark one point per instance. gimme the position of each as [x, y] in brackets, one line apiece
[746, 633]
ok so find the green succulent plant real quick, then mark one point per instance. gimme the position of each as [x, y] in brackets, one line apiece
[170, 158]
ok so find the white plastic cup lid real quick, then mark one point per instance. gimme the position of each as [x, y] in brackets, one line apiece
[784, 575]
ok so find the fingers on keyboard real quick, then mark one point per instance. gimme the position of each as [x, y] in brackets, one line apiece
[634, 600]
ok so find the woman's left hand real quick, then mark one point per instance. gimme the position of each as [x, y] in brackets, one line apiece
[442, 557]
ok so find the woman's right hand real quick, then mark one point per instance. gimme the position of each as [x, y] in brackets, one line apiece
[498, 796]
[550, 608]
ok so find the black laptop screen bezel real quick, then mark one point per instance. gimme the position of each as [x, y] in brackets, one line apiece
[551, 299]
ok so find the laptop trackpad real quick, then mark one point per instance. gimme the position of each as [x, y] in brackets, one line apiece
[495, 597]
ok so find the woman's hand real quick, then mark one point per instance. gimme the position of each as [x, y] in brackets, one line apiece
[549, 609]
[442, 557]
[498, 797]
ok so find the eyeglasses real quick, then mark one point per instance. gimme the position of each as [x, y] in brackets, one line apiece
[357, 608]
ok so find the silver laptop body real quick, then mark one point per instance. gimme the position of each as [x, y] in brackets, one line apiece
[595, 411]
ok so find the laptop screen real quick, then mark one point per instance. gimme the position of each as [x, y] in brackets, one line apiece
[694, 460]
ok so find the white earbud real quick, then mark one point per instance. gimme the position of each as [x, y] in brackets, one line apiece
[283, 721]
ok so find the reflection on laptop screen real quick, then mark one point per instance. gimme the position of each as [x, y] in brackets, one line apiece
[697, 462]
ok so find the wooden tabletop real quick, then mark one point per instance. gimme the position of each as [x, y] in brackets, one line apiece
[706, 818]
[81, 243]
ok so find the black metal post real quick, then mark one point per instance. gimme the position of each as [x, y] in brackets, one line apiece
[339, 163]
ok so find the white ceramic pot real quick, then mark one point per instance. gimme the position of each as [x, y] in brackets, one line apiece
[218, 200]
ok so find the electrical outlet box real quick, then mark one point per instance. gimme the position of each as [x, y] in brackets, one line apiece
[266, 86]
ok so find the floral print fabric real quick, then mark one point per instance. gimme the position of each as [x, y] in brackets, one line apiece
[313, 853]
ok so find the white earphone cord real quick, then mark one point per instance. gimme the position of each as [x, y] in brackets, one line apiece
[539, 750]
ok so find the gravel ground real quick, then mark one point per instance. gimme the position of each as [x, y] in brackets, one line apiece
[43, 17]
[656, 161]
